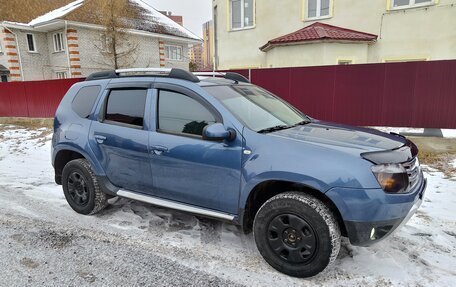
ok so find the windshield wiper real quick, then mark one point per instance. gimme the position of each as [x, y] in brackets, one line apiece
[273, 129]
[302, 123]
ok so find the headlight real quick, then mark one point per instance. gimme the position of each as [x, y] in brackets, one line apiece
[393, 178]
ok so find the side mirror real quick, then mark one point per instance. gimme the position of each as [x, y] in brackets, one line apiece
[217, 132]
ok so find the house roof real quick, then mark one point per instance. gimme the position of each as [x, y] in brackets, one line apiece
[4, 70]
[138, 16]
[318, 32]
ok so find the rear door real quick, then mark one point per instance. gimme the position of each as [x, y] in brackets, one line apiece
[120, 136]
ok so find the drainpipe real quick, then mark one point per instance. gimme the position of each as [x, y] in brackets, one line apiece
[66, 49]
[18, 53]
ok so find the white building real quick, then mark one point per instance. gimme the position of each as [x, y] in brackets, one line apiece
[286, 33]
[58, 39]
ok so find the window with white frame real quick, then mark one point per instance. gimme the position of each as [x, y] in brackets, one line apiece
[106, 43]
[410, 3]
[344, 62]
[1, 51]
[242, 14]
[59, 44]
[173, 52]
[318, 8]
[61, 75]
[31, 43]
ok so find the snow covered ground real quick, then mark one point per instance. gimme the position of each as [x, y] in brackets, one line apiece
[447, 133]
[43, 242]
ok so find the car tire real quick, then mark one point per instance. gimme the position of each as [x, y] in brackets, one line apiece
[296, 234]
[81, 188]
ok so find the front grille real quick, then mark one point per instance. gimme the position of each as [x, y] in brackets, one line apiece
[414, 172]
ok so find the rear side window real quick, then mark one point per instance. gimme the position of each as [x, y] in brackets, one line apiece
[126, 106]
[180, 114]
[84, 100]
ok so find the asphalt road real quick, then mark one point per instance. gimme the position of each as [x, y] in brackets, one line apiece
[39, 253]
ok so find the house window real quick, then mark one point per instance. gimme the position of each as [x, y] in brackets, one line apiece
[410, 3]
[31, 43]
[61, 75]
[1, 51]
[173, 52]
[106, 43]
[242, 14]
[58, 42]
[344, 62]
[318, 8]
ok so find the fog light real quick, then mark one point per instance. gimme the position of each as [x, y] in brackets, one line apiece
[372, 235]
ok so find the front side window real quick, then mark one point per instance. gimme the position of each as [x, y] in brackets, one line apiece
[242, 13]
[84, 100]
[181, 114]
[410, 3]
[173, 52]
[256, 108]
[318, 8]
[31, 43]
[126, 107]
[58, 42]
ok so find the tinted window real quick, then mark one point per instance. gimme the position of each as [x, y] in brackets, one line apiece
[255, 107]
[178, 113]
[84, 100]
[126, 106]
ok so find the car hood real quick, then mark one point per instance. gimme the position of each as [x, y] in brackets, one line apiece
[343, 136]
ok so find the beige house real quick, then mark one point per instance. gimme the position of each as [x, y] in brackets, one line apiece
[208, 45]
[287, 33]
[56, 39]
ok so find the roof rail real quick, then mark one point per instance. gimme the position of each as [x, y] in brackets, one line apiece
[171, 73]
[227, 75]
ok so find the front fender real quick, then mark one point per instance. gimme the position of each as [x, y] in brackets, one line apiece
[249, 184]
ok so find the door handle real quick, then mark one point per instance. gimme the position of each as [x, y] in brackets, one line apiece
[100, 139]
[158, 149]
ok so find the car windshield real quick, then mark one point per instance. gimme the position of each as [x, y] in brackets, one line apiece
[258, 109]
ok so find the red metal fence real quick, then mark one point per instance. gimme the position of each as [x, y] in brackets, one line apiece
[416, 94]
[37, 99]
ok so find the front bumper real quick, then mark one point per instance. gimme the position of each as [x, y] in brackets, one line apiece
[382, 216]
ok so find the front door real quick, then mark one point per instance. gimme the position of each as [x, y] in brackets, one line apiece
[120, 139]
[187, 168]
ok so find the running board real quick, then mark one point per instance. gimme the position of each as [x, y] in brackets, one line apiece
[174, 205]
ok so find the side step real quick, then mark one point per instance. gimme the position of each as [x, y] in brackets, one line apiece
[175, 205]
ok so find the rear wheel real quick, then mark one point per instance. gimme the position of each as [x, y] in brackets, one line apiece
[297, 234]
[81, 188]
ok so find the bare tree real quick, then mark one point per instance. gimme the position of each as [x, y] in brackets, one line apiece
[116, 44]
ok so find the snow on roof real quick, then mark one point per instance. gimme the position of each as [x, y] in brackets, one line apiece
[57, 13]
[161, 19]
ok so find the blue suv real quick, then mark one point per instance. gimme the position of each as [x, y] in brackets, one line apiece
[217, 146]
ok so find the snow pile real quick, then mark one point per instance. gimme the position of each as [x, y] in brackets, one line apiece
[57, 13]
[447, 133]
[422, 253]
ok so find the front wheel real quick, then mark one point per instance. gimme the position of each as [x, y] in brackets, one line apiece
[297, 234]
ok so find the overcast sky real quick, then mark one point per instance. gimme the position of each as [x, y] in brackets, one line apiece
[195, 12]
